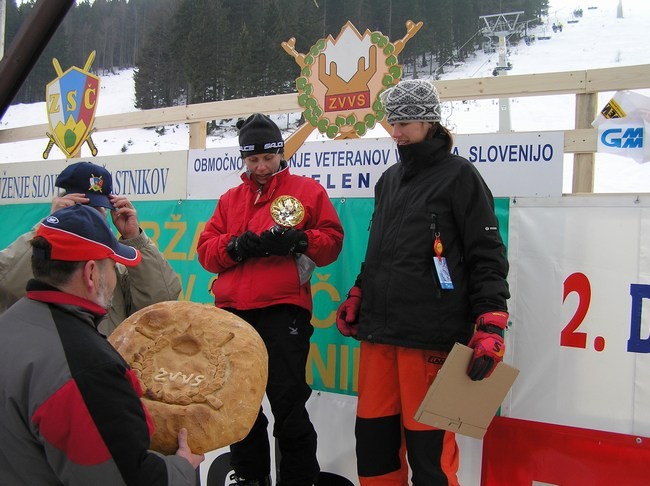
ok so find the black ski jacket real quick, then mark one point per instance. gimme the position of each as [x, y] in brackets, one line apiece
[431, 191]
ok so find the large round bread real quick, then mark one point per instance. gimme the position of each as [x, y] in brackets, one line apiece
[200, 367]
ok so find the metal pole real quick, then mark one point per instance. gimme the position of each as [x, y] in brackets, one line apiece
[3, 22]
[27, 46]
[504, 103]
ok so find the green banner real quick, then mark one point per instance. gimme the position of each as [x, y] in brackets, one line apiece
[175, 226]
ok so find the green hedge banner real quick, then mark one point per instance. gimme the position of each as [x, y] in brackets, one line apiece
[175, 227]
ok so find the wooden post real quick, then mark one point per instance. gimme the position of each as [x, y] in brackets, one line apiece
[198, 134]
[584, 163]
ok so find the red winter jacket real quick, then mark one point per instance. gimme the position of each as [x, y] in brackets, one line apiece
[260, 282]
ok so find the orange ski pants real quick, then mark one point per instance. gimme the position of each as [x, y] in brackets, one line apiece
[393, 381]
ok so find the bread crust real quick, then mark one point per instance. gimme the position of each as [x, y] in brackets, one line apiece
[200, 367]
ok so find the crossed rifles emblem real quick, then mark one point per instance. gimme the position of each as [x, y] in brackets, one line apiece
[71, 100]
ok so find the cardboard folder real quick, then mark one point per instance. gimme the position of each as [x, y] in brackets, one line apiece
[454, 402]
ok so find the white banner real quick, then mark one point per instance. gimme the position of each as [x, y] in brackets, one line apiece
[333, 416]
[160, 176]
[580, 280]
[345, 168]
[516, 164]
[527, 164]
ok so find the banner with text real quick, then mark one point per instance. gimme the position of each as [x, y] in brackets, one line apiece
[175, 227]
[140, 177]
[517, 164]
[580, 280]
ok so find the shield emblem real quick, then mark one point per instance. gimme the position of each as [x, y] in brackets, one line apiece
[71, 105]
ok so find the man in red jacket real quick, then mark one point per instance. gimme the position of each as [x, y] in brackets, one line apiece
[264, 277]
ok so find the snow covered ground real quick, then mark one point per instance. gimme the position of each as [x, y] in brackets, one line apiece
[599, 39]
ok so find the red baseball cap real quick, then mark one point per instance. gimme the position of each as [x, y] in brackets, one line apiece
[80, 232]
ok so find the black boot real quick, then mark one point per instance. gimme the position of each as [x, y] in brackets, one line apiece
[238, 481]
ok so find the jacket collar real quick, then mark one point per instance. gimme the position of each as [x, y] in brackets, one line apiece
[86, 309]
[267, 190]
[418, 156]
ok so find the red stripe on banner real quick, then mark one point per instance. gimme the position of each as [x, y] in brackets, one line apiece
[519, 452]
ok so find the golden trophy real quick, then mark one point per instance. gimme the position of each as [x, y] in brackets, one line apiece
[286, 212]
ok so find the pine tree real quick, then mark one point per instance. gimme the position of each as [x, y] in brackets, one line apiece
[154, 80]
[192, 51]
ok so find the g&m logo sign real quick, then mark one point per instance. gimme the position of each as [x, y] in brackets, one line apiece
[623, 138]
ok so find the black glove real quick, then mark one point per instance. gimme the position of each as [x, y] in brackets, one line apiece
[283, 243]
[245, 246]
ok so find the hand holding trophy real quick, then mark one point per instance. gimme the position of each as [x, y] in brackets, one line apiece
[282, 239]
[287, 212]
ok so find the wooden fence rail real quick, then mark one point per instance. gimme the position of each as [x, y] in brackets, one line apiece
[581, 141]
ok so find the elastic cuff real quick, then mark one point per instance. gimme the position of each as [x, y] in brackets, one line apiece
[231, 249]
[492, 329]
[137, 242]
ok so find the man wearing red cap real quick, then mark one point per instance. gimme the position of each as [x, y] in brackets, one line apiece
[72, 412]
[154, 280]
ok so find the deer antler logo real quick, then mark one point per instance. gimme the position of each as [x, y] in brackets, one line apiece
[341, 79]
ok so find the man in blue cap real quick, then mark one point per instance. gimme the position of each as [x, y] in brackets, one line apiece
[73, 413]
[152, 281]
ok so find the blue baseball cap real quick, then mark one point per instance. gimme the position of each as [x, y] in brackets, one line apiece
[90, 179]
[80, 232]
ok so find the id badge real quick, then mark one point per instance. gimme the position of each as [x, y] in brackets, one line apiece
[443, 273]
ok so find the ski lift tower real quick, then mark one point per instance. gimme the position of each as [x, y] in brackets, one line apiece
[502, 25]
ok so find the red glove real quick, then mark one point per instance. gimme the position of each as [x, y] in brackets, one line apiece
[348, 313]
[487, 343]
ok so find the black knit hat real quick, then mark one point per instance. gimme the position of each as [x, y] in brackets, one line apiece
[258, 134]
